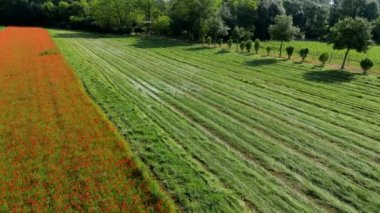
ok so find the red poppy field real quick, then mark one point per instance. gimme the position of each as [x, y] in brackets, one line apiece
[57, 150]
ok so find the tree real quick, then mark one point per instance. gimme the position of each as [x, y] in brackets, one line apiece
[190, 16]
[241, 34]
[216, 28]
[267, 11]
[366, 65]
[241, 12]
[114, 15]
[376, 31]
[323, 58]
[316, 20]
[242, 46]
[257, 45]
[290, 51]
[303, 53]
[358, 8]
[283, 30]
[351, 34]
[209, 41]
[162, 25]
[220, 42]
[269, 49]
[230, 42]
[248, 45]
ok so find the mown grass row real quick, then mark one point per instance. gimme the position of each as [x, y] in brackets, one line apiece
[269, 137]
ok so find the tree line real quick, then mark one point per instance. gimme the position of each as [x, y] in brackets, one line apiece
[191, 19]
[348, 24]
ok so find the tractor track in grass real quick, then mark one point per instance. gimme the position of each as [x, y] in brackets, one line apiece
[283, 128]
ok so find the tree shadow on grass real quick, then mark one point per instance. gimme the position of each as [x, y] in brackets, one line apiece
[197, 48]
[261, 62]
[222, 51]
[157, 42]
[329, 76]
[78, 34]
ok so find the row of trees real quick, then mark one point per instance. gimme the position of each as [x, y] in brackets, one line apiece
[348, 24]
[192, 19]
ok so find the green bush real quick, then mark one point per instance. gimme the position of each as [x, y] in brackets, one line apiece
[220, 42]
[366, 65]
[269, 49]
[162, 25]
[257, 45]
[303, 53]
[203, 41]
[209, 41]
[290, 51]
[323, 58]
[248, 46]
[230, 42]
[242, 46]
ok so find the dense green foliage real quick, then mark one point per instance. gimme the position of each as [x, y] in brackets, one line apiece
[323, 58]
[234, 133]
[189, 19]
[290, 51]
[303, 53]
[366, 65]
[283, 30]
[351, 34]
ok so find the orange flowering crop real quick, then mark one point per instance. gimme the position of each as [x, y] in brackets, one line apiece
[57, 151]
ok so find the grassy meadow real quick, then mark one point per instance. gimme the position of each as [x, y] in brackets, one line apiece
[230, 132]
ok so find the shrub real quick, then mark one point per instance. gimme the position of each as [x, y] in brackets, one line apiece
[209, 40]
[230, 42]
[242, 46]
[269, 49]
[162, 25]
[289, 51]
[248, 46]
[257, 45]
[303, 53]
[324, 58]
[366, 65]
[220, 42]
[203, 41]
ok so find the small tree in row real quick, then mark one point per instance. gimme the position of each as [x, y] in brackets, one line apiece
[229, 43]
[303, 53]
[242, 46]
[366, 65]
[257, 45]
[239, 34]
[220, 43]
[283, 30]
[351, 34]
[290, 51]
[248, 45]
[209, 41]
[323, 58]
[269, 49]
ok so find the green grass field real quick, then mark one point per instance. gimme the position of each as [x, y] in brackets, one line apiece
[229, 132]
